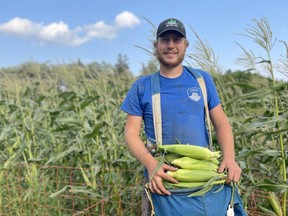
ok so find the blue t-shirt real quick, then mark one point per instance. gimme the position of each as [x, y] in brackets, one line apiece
[182, 107]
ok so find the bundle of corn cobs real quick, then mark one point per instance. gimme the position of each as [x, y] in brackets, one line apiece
[197, 167]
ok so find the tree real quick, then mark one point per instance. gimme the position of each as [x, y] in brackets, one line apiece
[151, 67]
[122, 67]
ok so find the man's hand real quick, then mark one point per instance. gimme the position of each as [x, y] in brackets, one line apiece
[156, 184]
[234, 171]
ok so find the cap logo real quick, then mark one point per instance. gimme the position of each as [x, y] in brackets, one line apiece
[171, 22]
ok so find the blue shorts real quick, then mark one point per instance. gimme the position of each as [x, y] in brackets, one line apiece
[213, 203]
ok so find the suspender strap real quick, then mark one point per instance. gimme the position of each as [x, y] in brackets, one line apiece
[156, 103]
[156, 107]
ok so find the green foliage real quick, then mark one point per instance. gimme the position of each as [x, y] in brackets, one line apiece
[151, 67]
[121, 66]
[68, 116]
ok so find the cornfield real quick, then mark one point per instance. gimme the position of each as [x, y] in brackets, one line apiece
[62, 150]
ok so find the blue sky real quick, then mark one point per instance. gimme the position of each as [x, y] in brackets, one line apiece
[63, 31]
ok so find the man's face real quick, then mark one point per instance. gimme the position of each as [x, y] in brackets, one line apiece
[170, 49]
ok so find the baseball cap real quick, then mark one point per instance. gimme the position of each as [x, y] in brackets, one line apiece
[171, 24]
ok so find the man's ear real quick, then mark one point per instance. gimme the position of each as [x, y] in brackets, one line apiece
[154, 44]
[154, 47]
[187, 43]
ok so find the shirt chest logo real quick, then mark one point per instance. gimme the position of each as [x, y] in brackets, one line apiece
[194, 93]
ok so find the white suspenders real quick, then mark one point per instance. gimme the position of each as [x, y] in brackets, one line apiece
[156, 104]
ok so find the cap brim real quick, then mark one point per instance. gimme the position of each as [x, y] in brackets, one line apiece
[171, 29]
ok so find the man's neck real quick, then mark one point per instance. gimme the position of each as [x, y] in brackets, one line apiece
[171, 72]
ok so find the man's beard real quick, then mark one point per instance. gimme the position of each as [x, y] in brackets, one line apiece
[169, 64]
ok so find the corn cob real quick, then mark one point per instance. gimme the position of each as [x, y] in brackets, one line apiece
[214, 161]
[187, 175]
[170, 185]
[171, 156]
[194, 164]
[275, 204]
[168, 158]
[182, 160]
[193, 151]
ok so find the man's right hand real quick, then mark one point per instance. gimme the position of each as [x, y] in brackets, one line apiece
[156, 182]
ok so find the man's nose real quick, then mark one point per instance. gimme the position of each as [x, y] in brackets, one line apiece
[170, 43]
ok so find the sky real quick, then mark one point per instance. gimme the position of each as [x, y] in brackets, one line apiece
[65, 31]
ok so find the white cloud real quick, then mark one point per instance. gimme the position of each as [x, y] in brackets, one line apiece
[126, 19]
[59, 32]
[20, 27]
[100, 30]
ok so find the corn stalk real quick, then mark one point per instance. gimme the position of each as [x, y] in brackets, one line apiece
[261, 34]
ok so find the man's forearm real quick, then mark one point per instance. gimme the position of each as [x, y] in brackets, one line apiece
[139, 151]
[226, 141]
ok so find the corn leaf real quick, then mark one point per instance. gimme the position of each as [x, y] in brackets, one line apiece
[273, 186]
[160, 162]
[267, 211]
[63, 154]
[60, 191]
[261, 93]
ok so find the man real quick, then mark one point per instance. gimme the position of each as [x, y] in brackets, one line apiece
[183, 120]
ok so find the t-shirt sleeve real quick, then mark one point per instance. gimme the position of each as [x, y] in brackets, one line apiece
[131, 103]
[212, 93]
